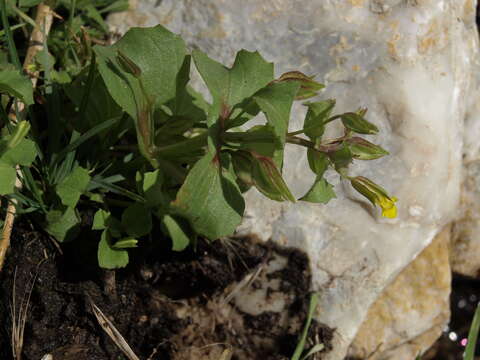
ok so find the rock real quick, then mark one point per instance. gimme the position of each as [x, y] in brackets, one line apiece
[466, 230]
[411, 63]
[412, 311]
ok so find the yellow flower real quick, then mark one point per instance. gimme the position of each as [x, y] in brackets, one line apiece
[377, 195]
[389, 210]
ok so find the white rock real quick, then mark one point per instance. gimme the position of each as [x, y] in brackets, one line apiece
[410, 62]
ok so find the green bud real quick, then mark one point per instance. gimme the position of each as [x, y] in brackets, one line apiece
[242, 164]
[128, 65]
[269, 181]
[308, 86]
[364, 150]
[21, 130]
[356, 123]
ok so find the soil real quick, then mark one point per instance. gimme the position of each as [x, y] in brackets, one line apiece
[167, 305]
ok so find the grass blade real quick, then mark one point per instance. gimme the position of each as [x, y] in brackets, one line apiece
[8, 33]
[469, 353]
[303, 338]
[84, 137]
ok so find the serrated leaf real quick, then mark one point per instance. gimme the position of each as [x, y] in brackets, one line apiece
[73, 186]
[8, 175]
[137, 220]
[210, 199]
[109, 258]
[229, 87]
[180, 239]
[16, 84]
[317, 113]
[320, 192]
[63, 226]
[157, 52]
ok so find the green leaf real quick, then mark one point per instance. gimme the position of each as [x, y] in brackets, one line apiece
[358, 124]
[73, 186]
[24, 153]
[180, 239]
[157, 52]
[210, 199]
[229, 87]
[104, 220]
[100, 106]
[16, 84]
[152, 188]
[109, 258]
[268, 180]
[137, 220]
[99, 220]
[276, 102]
[8, 175]
[63, 225]
[317, 113]
[317, 161]
[320, 192]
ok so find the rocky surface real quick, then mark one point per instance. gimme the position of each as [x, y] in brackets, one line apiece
[411, 63]
[419, 296]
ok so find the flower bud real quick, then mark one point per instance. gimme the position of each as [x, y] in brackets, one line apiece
[356, 123]
[308, 86]
[376, 195]
[128, 65]
[364, 150]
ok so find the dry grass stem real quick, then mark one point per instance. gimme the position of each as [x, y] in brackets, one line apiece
[112, 332]
[20, 319]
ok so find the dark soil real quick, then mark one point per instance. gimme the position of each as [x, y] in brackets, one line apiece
[166, 305]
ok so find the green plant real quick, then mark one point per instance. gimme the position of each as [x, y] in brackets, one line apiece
[299, 350]
[119, 130]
